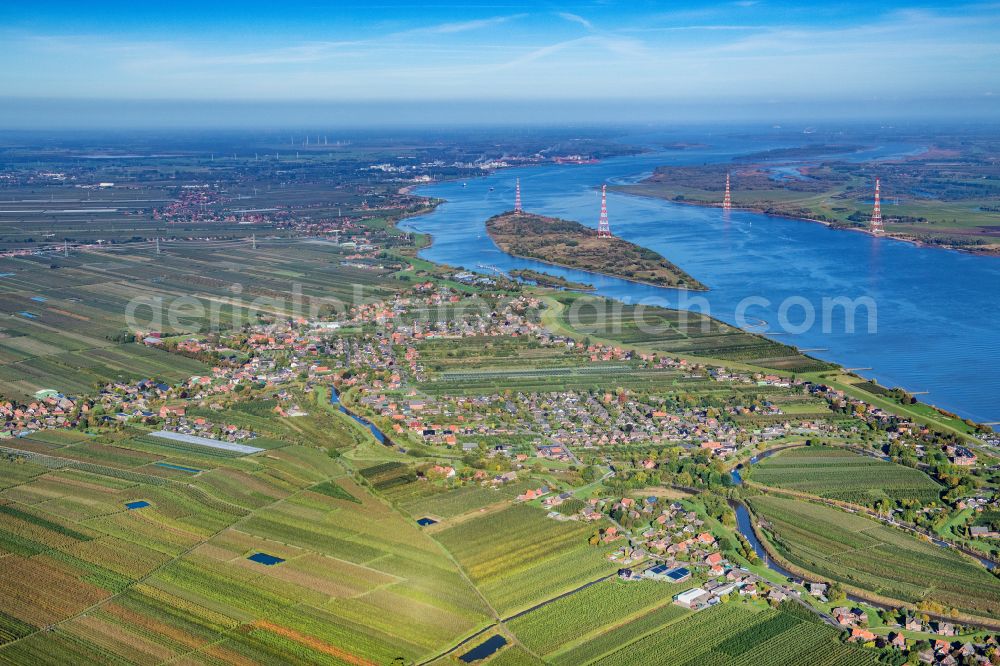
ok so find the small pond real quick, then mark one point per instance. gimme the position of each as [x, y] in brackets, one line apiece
[264, 558]
[484, 649]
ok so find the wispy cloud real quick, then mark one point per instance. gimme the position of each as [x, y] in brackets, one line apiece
[576, 18]
[545, 53]
[465, 26]
[908, 31]
[629, 48]
[695, 28]
[301, 54]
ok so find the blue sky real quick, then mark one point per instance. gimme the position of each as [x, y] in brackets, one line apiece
[692, 55]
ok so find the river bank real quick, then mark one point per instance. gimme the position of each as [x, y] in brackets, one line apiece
[925, 337]
[633, 190]
[376, 432]
[546, 280]
[937, 417]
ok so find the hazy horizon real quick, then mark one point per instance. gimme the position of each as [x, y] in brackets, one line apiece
[76, 114]
[255, 64]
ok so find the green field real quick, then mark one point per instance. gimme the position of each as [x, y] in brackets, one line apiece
[862, 552]
[573, 378]
[518, 556]
[839, 474]
[615, 637]
[675, 331]
[476, 352]
[735, 634]
[423, 499]
[589, 616]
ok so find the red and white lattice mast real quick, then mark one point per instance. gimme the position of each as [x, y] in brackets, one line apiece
[727, 203]
[603, 228]
[876, 221]
[517, 196]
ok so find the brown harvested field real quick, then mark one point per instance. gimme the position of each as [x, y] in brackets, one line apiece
[314, 643]
[39, 591]
[107, 634]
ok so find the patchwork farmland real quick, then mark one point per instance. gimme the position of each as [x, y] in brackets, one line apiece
[678, 332]
[173, 578]
[565, 629]
[75, 337]
[840, 474]
[518, 557]
[424, 464]
[861, 552]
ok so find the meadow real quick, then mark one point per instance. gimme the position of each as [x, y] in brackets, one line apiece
[864, 553]
[353, 579]
[843, 475]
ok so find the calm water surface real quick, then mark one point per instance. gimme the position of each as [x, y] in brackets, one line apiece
[937, 323]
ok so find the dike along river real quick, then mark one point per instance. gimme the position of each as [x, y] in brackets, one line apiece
[937, 327]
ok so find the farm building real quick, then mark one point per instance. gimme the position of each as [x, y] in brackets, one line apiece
[205, 441]
[693, 598]
[659, 572]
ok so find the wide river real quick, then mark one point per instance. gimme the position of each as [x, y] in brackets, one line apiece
[936, 327]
